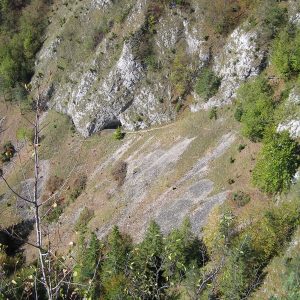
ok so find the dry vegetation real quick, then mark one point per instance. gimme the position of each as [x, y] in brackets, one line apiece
[119, 172]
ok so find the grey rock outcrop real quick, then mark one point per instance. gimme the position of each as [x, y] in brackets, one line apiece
[292, 126]
[292, 122]
[111, 84]
[240, 59]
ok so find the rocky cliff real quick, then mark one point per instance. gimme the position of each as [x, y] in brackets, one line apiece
[107, 63]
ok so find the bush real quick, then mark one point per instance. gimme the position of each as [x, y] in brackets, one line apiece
[277, 163]
[220, 15]
[276, 227]
[271, 16]
[118, 134]
[241, 147]
[53, 184]
[280, 57]
[207, 84]
[240, 198]
[238, 113]
[8, 152]
[79, 186]
[234, 278]
[178, 107]
[213, 113]
[291, 278]
[285, 55]
[54, 214]
[152, 63]
[255, 108]
[87, 261]
[252, 249]
[180, 73]
[119, 172]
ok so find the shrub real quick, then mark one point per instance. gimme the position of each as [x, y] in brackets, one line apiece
[238, 113]
[295, 52]
[256, 110]
[8, 152]
[220, 15]
[178, 107]
[54, 214]
[277, 163]
[240, 198]
[79, 186]
[180, 73]
[207, 84]
[254, 246]
[280, 57]
[241, 147]
[20, 94]
[144, 42]
[285, 55]
[53, 184]
[146, 260]
[154, 11]
[213, 113]
[152, 63]
[270, 233]
[119, 172]
[8, 71]
[271, 16]
[231, 181]
[118, 134]
[88, 256]
[234, 279]
[291, 278]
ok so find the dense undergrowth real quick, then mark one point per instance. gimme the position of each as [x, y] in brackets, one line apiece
[22, 25]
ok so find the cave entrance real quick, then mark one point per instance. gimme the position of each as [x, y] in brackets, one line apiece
[113, 124]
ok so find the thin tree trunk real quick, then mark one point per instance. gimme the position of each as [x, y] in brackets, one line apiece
[39, 236]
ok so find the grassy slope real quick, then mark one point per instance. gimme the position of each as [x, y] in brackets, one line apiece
[70, 155]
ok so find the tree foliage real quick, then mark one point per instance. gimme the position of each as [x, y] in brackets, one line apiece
[277, 163]
[207, 84]
[255, 109]
[22, 24]
[285, 56]
[114, 265]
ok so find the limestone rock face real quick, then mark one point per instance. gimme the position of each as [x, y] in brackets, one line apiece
[240, 59]
[100, 3]
[294, 97]
[100, 109]
[292, 121]
[294, 12]
[293, 126]
[100, 65]
[109, 85]
[146, 109]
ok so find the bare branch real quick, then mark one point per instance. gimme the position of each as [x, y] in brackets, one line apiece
[13, 191]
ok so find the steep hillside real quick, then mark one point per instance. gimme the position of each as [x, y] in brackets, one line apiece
[135, 64]
[148, 114]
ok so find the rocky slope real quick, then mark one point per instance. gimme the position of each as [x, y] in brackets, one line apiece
[106, 63]
[91, 68]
